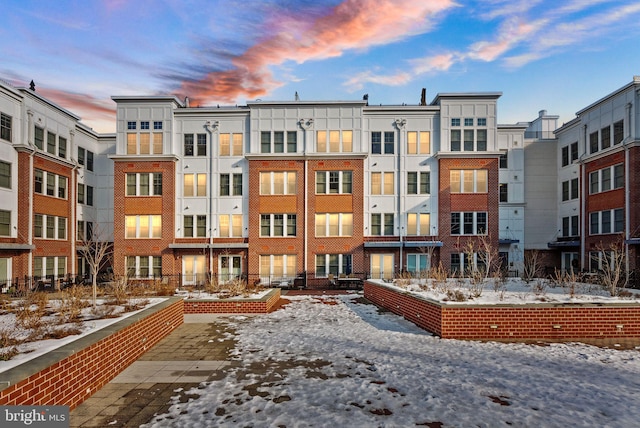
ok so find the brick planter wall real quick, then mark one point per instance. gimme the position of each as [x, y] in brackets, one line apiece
[233, 306]
[509, 322]
[71, 374]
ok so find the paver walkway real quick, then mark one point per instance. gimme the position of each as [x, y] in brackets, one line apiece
[195, 352]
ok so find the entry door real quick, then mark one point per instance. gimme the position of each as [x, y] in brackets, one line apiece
[230, 268]
[382, 266]
[193, 270]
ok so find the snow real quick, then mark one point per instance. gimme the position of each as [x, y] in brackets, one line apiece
[204, 295]
[31, 350]
[323, 361]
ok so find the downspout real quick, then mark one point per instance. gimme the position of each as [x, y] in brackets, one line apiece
[627, 194]
[400, 123]
[306, 124]
[74, 207]
[583, 203]
[213, 128]
[32, 152]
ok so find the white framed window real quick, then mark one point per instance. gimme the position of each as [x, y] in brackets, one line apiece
[468, 181]
[335, 264]
[278, 142]
[143, 226]
[50, 184]
[382, 266]
[5, 175]
[144, 143]
[334, 141]
[6, 126]
[418, 182]
[230, 184]
[570, 190]
[278, 267]
[230, 225]
[143, 266]
[195, 185]
[49, 266]
[194, 226]
[334, 182]
[49, 227]
[144, 184]
[605, 179]
[418, 262]
[278, 183]
[382, 224]
[418, 142]
[469, 223]
[418, 224]
[607, 221]
[230, 144]
[5, 223]
[382, 183]
[334, 224]
[277, 225]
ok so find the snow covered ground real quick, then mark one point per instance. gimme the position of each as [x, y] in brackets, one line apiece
[333, 361]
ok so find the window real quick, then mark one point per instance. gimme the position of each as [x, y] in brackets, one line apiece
[85, 157]
[382, 183]
[277, 225]
[144, 184]
[468, 181]
[417, 263]
[606, 179]
[144, 124]
[50, 227]
[131, 125]
[5, 126]
[455, 121]
[469, 223]
[144, 266]
[157, 125]
[376, 142]
[605, 137]
[389, 143]
[230, 184]
[62, 147]
[334, 141]
[277, 266]
[195, 185]
[38, 137]
[143, 226]
[194, 226]
[5, 175]
[468, 140]
[292, 141]
[418, 142]
[62, 187]
[565, 156]
[230, 225]
[468, 121]
[279, 142]
[481, 140]
[5, 223]
[201, 145]
[593, 142]
[570, 189]
[455, 140]
[51, 184]
[85, 194]
[188, 144]
[423, 187]
[608, 221]
[574, 152]
[229, 149]
[333, 182]
[570, 226]
[618, 132]
[51, 143]
[504, 192]
[49, 266]
[418, 224]
[278, 183]
[334, 224]
[84, 231]
[334, 264]
[482, 121]
[382, 266]
[504, 160]
[382, 224]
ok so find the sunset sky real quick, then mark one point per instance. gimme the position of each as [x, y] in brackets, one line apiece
[541, 54]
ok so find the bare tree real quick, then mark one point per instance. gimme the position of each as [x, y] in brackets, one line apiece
[613, 272]
[488, 255]
[531, 267]
[96, 251]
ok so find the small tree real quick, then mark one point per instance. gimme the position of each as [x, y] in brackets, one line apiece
[95, 250]
[531, 267]
[613, 267]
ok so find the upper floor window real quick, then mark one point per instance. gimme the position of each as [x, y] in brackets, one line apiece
[334, 141]
[334, 182]
[5, 175]
[606, 179]
[569, 153]
[334, 224]
[274, 225]
[195, 185]
[468, 181]
[382, 183]
[85, 194]
[570, 226]
[131, 125]
[605, 137]
[85, 157]
[279, 142]
[570, 189]
[144, 184]
[468, 139]
[504, 159]
[618, 132]
[469, 223]
[144, 124]
[157, 125]
[144, 143]
[377, 140]
[230, 144]
[5, 223]
[143, 226]
[455, 121]
[230, 184]
[49, 227]
[230, 225]
[189, 144]
[194, 226]
[278, 183]
[468, 121]
[50, 184]
[608, 221]
[503, 192]
[482, 121]
[418, 183]
[593, 142]
[382, 224]
[5, 126]
[38, 137]
[418, 142]
[418, 224]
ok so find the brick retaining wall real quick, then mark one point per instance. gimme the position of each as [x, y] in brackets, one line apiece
[71, 374]
[509, 322]
[233, 306]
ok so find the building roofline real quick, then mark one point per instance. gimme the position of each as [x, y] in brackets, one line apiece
[133, 98]
[635, 82]
[50, 103]
[480, 95]
[306, 103]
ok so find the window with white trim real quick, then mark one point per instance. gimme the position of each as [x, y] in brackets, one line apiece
[607, 221]
[335, 264]
[50, 184]
[605, 179]
[143, 226]
[278, 142]
[231, 144]
[382, 224]
[334, 182]
[334, 141]
[230, 184]
[144, 184]
[417, 263]
[418, 224]
[230, 225]
[5, 223]
[144, 143]
[143, 266]
[49, 266]
[49, 227]
[194, 226]
[195, 185]
[278, 267]
[570, 226]
[277, 225]
[84, 230]
[334, 224]
[421, 186]
[278, 183]
[570, 189]
[382, 183]
[5, 175]
[468, 181]
[418, 142]
[6, 126]
[469, 223]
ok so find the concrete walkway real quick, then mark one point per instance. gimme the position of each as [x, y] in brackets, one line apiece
[195, 352]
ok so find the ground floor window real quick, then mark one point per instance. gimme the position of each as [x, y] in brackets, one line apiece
[144, 266]
[5, 273]
[277, 267]
[417, 263]
[382, 266]
[230, 268]
[334, 264]
[570, 262]
[193, 269]
[49, 266]
[598, 260]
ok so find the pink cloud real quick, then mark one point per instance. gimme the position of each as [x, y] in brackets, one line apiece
[96, 109]
[353, 24]
[511, 33]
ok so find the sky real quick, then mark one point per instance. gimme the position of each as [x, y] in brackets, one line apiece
[334, 361]
[559, 56]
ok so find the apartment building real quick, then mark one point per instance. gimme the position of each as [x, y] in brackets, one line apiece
[312, 191]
